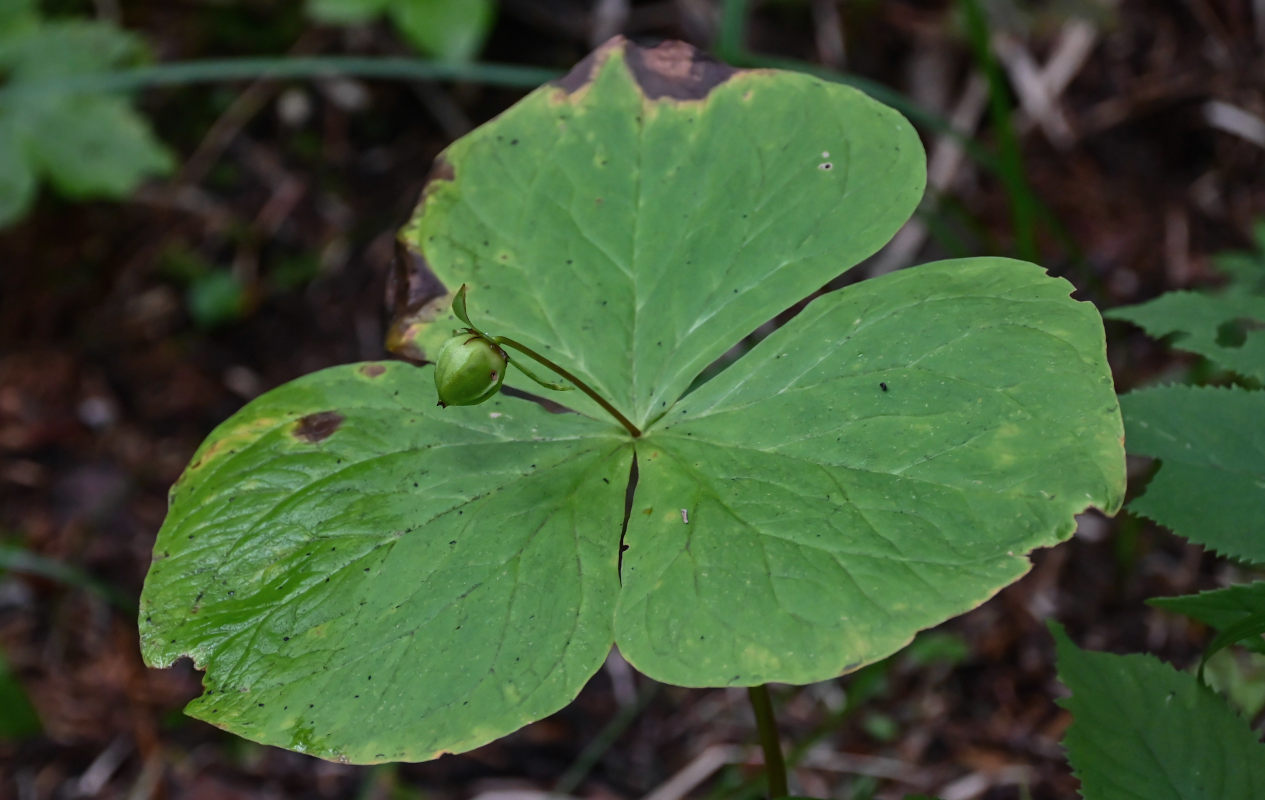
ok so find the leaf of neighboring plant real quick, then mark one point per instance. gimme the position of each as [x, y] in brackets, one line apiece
[452, 30]
[1228, 328]
[1142, 730]
[366, 577]
[1247, 629]
[1239, 677]
[215, 298]
[17, 180]
[92, 145]
[1220, 608]
[882, 462]
[87, 145]
[641, 217]
[18, 719]
[1210, 487]
[1246, 268]
[17, 17]
[346, 12]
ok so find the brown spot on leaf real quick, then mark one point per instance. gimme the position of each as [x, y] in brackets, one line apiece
[415, 296]
[669, 69]
[675, 70]
[318, 427]
[372, 370]
[440, 170]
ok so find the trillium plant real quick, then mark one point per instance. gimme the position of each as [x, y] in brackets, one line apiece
[366, 575]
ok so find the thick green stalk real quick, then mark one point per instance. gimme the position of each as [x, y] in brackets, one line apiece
[774, 765]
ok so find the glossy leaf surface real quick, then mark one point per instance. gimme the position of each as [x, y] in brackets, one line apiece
[367, 577]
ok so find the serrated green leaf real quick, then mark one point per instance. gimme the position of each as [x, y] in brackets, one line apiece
[87, 145]
[1142, 730]
[1210, 487]
[1228, 328]
[881, 463]
[93, 146]
[81, 46]
[367, 577]
[636, 236]
[1220, 608]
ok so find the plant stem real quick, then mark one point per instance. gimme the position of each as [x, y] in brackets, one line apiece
[228, 69]
[774, 766]
[579, 384]
[1013, 176]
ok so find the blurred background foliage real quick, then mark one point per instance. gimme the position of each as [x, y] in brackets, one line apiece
[198, 201]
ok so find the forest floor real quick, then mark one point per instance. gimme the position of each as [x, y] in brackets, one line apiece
[110, 377]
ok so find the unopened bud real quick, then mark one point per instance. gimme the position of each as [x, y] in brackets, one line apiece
[469, 370]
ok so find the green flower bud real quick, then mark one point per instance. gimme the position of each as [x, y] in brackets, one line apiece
[469, 370]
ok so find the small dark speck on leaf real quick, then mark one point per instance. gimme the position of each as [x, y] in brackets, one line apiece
[882, 386]
[285, 638]
[513, 141]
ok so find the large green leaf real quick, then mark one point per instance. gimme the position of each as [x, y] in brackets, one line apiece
[1210, 487]
[367, 577]
[882, 462]
[1144, 731]
[639, 219]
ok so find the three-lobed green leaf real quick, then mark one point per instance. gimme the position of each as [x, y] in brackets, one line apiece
[368, 577]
